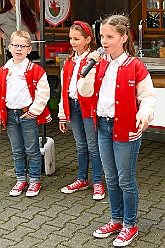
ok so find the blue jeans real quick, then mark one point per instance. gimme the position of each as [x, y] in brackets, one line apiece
[119, 163]
[86, 142]
[24, 139]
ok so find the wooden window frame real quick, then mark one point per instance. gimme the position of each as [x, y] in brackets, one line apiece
[152, 32]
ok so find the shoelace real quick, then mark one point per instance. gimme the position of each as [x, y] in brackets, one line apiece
[32, 187]
[18, 186]
[124, 233]
[107, 226]
[76, 183]
[98, 189]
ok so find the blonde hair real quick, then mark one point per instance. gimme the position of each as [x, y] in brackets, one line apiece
[21, 34]
[122, 25]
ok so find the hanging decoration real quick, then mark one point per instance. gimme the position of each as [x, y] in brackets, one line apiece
[56, 12]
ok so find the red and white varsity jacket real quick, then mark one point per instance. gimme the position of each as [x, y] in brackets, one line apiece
[85, 102]
[38, 108]
[134, 96]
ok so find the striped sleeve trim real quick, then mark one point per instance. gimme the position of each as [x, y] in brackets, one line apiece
[134, 136]
[31, 115]
[48, 118]
[62, 121]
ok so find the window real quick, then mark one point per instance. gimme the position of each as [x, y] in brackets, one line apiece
[153, 11]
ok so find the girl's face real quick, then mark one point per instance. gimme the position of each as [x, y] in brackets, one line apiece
[112, 41]
[78, 42]
[19, 49]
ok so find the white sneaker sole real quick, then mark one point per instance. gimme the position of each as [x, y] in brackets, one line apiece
[17, 193]
[98, 197]
[121, 244]
[101, 235]
[104, 235]
[67, 191]
[31, 194]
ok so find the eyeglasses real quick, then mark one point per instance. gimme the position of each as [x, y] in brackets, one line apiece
[16, 46]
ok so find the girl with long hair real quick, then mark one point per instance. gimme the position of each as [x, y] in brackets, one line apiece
[77, 110]
[122, 107]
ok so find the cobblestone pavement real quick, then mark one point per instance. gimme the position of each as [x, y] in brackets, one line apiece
[54, 219]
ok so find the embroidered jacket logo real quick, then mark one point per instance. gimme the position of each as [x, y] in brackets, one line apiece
[131, 82]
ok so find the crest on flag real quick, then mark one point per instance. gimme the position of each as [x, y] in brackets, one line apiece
[57, 11]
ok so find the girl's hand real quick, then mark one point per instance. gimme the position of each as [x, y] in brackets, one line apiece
[142, 124]
[95, 56]
[63, 127]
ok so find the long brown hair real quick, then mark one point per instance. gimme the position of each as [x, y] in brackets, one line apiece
[122, 25]
[92, 44]
[26, 15]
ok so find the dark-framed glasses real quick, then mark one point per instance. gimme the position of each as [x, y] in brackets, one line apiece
[16, 46]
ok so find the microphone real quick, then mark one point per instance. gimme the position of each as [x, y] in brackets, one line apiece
[91, 63]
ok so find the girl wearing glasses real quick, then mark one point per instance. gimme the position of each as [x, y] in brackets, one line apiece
[29, 23]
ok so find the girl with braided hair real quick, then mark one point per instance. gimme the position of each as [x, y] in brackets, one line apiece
[122, 108]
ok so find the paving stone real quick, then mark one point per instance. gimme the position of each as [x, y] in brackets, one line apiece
[30, 212]
[13, 223]
[5, 243]
[54, 240]
[156, 236]
[8, 213]
[37, 221]
[27, 242]
[53, 211]
[45, 231]
[77, 240]
[61, 220]
[18, 234]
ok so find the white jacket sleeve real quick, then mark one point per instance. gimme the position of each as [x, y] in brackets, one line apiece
[42, 95]
[85, 85]
[146, 99]
[61, 114]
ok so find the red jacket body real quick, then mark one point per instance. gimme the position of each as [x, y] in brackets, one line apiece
[85, 102]
[129, 75]
[32, 75]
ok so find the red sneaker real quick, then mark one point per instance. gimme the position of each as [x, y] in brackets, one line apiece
[107, 230]
[34, 189]
[18, 188]
[98, 193]
[77, 185]
[126, 236]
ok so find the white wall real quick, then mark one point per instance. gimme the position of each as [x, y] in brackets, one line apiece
[159, 116]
